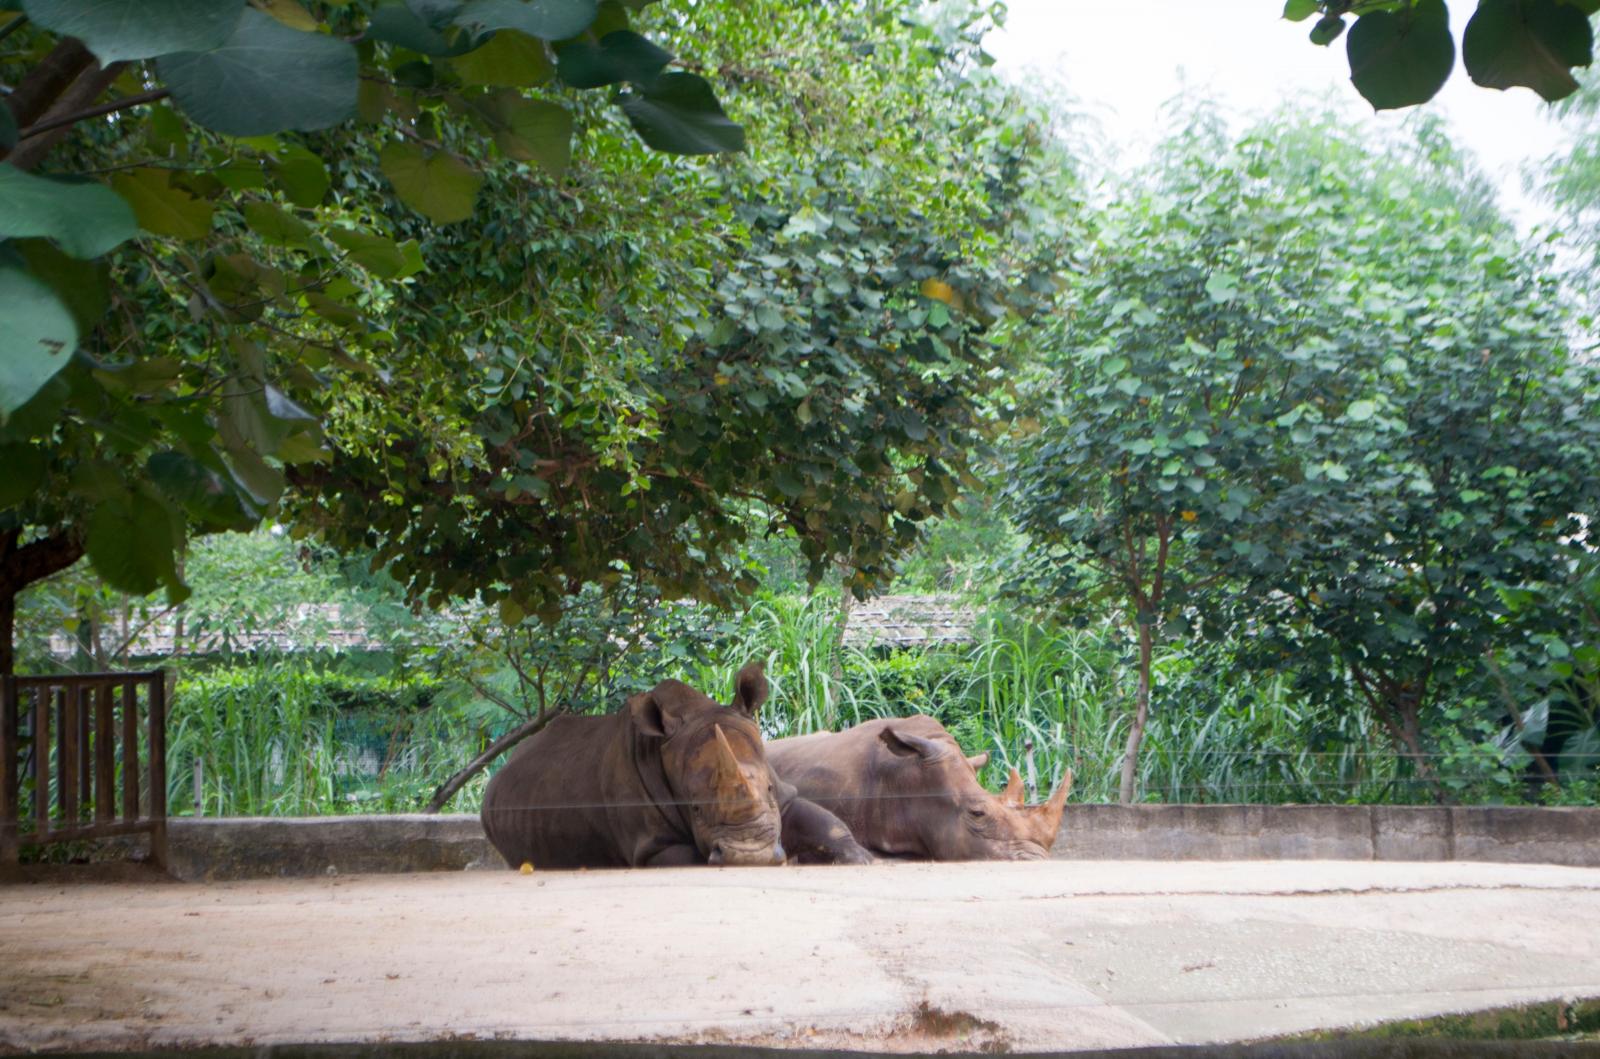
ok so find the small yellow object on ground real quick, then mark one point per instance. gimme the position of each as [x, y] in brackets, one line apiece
[527, 868]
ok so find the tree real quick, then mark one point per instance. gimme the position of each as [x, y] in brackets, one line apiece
[1359, 449]
[1159, 384]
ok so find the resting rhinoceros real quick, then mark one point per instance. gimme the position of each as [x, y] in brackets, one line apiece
[673, 778]
[905, 789]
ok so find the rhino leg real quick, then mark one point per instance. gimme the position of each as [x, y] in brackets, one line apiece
[678, 856]
[812, 835]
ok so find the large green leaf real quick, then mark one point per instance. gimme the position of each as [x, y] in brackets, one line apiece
[208, 500]
[510, 60]
[25, 466]
[302, 176]
[85, 220]
[397, 23]
[83, 286]
[130, 544]
[1401, 58]
[1533, 43]
[620, 56]
[265, 78]
[374, 253]
[436, 184]
[547, 19]
[528, 130]
[161, 207]
[276, 226]
[680, 114]
[37, 335]
[124, 29]
[1327, 30]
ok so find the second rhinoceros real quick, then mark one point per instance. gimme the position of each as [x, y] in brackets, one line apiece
[905, 789]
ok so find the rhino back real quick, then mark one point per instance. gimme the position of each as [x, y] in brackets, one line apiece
[833, 769]
[855, 776]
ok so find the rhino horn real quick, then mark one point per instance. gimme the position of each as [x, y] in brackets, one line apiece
[1013, 795]
[1048, 816]
[730, 780]
[977, 761]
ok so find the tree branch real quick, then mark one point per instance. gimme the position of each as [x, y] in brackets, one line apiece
[44, 84]
[85, 90]
[35, 561]
[110, 106]
[449, 787]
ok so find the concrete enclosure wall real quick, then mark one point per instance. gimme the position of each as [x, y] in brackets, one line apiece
[241, 848]
[1519, 835]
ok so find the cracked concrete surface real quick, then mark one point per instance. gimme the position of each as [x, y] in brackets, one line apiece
[912, 957]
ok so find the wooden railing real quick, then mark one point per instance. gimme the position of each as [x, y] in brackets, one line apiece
[83, 756]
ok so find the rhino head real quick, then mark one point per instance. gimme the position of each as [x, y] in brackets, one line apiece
[951, 814]
[715, 765]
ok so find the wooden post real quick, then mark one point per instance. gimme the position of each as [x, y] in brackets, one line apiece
[105, 762]
[158, 771]
[10, 763]
[82, 693]
[67, 736]
[41, 759]
[130, 752]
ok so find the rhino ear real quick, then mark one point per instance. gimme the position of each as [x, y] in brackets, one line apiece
[650, 718]
[904, 744]
[750, 689]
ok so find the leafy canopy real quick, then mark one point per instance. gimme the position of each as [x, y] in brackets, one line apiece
[616, 365]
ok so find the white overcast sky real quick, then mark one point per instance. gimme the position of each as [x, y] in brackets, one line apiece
[1121, 60]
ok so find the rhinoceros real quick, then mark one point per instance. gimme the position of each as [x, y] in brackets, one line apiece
[671, 779]
[905, 789]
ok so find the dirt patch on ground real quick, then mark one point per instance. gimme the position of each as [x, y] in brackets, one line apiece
[966, 1031]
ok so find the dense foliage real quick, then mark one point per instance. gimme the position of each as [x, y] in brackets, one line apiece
[1263, 421]
[612, 367]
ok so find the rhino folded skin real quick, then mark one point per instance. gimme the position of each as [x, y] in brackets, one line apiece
[905, 790]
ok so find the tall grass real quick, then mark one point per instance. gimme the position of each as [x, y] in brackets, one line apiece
[1061, 698]
[280, 737]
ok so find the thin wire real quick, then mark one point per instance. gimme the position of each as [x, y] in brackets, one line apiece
[946, 796]
[1406, 754]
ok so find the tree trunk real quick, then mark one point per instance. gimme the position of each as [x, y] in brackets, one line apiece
[449, 787]
[1411, 734]
[22, 565]
[8, 624]
[1130, 756]
[847, 601]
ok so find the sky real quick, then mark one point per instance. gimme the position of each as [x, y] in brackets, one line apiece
[1120, 60]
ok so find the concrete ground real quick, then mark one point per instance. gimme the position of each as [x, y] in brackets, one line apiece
[909, 957]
